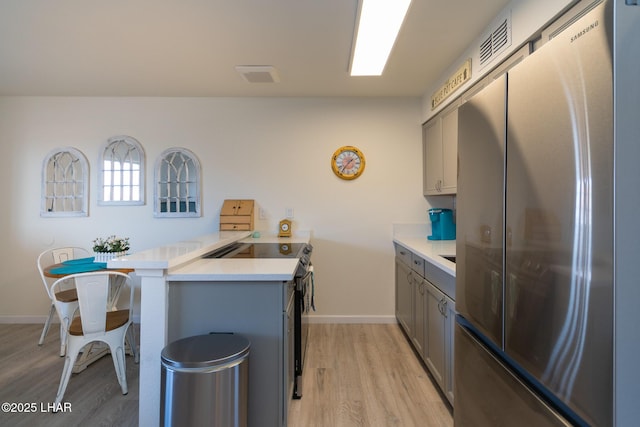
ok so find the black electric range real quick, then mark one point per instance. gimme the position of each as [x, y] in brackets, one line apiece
[303, 291]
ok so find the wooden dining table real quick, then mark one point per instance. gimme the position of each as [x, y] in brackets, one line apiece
[93, 351]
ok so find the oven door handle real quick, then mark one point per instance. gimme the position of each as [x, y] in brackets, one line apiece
[313, 287]
[306, 289]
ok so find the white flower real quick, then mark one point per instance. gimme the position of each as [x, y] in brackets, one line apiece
[111, 244]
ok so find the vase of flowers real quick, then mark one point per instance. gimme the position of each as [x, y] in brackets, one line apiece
[110, 248]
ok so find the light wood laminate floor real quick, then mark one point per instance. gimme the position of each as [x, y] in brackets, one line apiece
[356, 375]
[365, 375]
[30, 374]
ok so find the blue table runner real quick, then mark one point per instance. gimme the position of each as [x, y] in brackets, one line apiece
[79, 267]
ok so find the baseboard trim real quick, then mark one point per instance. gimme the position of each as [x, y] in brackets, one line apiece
[25, 319]
[39, 319]
[351, 319]
[312, 319]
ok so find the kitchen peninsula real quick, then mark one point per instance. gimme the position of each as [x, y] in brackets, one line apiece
[183, 293]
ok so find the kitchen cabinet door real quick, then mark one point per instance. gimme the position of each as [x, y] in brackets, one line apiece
[404, 296]
[435, 354]
[439, 338]
[440, 152]
[419, 311]
[432, 156]
[449, 311]
[449, 152]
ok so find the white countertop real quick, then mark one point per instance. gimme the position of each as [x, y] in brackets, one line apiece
[242, 269]
[430, 250]
[184, 261]
[175, 254]
[236, 269]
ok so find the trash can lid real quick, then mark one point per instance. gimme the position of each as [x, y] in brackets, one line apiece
[205, 351]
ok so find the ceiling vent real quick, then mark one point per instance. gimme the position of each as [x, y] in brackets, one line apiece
[258, 73]
[497, 39]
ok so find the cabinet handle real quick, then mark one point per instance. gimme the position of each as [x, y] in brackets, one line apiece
[442, 306]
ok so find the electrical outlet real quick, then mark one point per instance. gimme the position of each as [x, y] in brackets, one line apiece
[289, 213]
[262, 213]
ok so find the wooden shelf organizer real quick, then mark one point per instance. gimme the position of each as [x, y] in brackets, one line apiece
[237, 215]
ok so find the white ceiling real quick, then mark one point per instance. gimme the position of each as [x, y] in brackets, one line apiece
[190, 47]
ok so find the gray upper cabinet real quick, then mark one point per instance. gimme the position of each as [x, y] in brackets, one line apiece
[440, 135]
[440, 152]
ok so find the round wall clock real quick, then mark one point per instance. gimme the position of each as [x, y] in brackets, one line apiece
[348, 162]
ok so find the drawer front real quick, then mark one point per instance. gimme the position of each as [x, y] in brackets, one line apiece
[231, 227]
[404, 254]
[235, 219]
[417, 264]
[440, 279]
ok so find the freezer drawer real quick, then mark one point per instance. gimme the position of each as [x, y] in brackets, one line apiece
[489, 395]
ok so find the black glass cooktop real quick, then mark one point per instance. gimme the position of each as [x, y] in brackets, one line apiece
[259, 250]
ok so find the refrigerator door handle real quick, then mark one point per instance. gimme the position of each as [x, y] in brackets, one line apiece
[513, 295]
[496, 292]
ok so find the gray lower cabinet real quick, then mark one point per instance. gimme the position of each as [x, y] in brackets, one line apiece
[261, 312]
[427, 314]
[410, 303]
[419, 313]
[404, 293]
[438, 352]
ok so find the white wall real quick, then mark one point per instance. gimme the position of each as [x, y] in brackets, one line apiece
[276, 151]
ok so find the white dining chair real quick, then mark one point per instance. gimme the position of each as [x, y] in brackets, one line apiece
[99, 322]
[68, 300]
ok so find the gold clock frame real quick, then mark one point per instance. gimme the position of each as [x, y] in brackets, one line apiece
[281, 231]
[341, 174]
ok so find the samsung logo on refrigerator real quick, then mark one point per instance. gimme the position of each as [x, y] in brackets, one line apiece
[584, 31]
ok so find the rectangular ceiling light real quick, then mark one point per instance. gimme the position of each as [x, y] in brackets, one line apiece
[379, 22]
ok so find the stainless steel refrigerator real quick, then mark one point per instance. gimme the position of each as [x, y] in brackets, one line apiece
[534, 339]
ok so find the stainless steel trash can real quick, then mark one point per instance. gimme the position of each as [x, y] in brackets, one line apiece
[205, 381]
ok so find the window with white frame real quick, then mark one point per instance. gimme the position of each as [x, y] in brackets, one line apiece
[65, 184]
[177, 189]
[121, 177]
